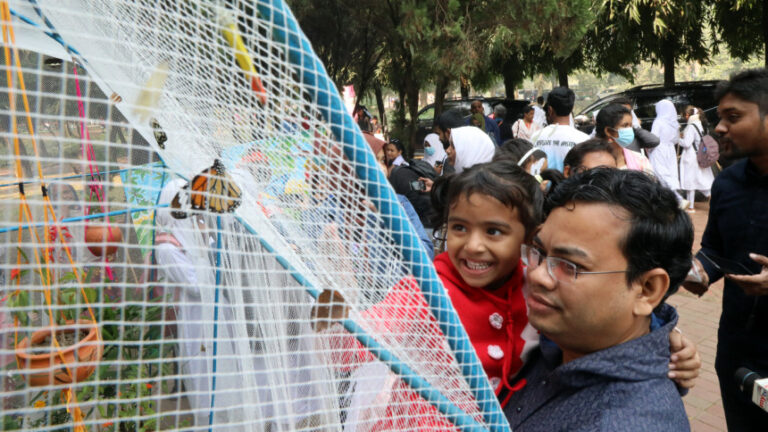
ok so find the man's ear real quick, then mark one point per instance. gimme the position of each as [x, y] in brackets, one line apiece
[653, 285]
[567, 171]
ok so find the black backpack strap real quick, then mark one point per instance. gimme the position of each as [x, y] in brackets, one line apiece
[700, 136]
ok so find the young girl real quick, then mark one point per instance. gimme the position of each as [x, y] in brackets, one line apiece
[393, 151]
[490, 211]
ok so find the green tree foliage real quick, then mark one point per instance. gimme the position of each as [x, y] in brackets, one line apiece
[533, 36]
[743, 26]
[345, 38]
[667, 31]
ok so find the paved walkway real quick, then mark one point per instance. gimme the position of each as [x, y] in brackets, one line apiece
[699, 319]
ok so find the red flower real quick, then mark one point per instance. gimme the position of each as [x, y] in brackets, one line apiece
[149, 386]
[15, 273]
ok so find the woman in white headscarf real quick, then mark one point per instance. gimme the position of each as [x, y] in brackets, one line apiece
[434, 153]
[692, 176]
[664, 158]
[469, 146]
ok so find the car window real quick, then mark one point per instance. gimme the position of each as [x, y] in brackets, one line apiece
[645, 106]
[428, 113]
[597, 106]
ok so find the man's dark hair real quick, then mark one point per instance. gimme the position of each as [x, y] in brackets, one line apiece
[512, 149]
[750, 85]
[450, 119]
[622, 100]
[660, 233]
[540, 100]
[561, 99]
[527, 109]
[575, 156]
[609, 116]
[502, 180]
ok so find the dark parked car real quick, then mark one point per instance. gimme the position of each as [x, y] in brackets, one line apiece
[427, 114]
[697, 93]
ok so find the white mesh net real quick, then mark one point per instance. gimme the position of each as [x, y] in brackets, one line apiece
[134, 298]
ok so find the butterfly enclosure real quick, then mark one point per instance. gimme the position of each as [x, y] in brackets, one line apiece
[197, 236]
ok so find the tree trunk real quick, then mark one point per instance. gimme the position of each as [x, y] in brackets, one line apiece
[464, 83]
[513, 76]
[562, 75]
[441, 86]
[400, 112]
[380, 103]
[412, 98]
[765, 31]
[669, 66]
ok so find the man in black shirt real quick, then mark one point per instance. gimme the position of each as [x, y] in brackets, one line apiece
[737, 229]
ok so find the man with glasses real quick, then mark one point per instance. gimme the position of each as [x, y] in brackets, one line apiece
[613, 247]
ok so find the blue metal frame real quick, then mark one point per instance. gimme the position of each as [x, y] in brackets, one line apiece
[215, 321]
[312, 74]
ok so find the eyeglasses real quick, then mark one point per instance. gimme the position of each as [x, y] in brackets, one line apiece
[559, 269]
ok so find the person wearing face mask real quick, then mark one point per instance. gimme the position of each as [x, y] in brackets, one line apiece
[434, 154]
[644, 140]
[614, 124]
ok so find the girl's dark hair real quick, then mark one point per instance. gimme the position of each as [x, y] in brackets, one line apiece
[527, 109]
[536, 155]
[575, 156]
[397, 143]
[512, 150]
[502, 180]
[554, 176]
[609, 116]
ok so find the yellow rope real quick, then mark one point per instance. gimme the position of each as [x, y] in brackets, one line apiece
[24, 206]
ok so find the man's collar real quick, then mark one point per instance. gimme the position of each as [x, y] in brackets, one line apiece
[752, 174]
[616, 362]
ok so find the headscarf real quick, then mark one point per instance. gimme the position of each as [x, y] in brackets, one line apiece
[480, 118]
[434, 141]
[472, 146]
[666, 126]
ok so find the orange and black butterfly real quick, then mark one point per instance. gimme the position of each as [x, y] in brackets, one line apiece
[212, 190]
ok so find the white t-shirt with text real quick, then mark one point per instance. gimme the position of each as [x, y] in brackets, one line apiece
[556, 140]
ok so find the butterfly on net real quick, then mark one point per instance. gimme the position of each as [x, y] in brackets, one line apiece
[212, 190]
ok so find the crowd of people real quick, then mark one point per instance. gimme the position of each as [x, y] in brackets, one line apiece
[568, 244]
[558, 250]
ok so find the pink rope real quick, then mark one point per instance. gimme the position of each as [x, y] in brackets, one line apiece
[90, 156]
